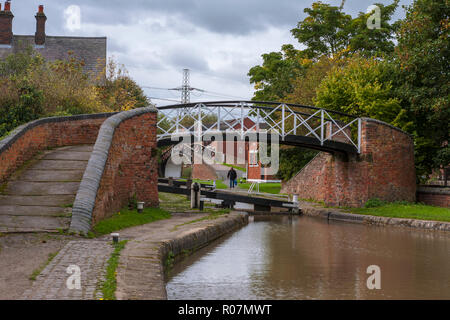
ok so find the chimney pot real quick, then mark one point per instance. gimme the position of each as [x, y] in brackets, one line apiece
[39, 37]
[6, 18]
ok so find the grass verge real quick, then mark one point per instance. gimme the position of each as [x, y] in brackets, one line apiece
[108, 287]
[129, 218]
[219, 183]
[273, 188]
[234, 166]
[406, 211]
[38, 271]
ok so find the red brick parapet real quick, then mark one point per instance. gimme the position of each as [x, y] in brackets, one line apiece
[434, 196]
[384, 169]
[26, 141]
[123, 165]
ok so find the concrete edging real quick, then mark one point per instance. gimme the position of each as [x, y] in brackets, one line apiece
[335, 214]
[87, 192]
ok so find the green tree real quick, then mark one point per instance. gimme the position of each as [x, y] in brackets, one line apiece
[363, 88]
[329, 31]
[120, 92]
[324, 31]
[292, 160]
[422, 56]
[273, 80]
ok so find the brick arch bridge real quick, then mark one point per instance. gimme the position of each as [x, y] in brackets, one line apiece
[361, 159]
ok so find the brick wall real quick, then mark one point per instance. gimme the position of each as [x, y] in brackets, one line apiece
[123, 164]
[384, 169]
[27, 140]
[203, 171]
[130, 169]
[434, 196]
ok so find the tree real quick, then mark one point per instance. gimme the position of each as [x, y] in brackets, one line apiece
[292, 160]
[305, 87]
[329, 31]
[273, 79]
[120, 92]
[363, 88]
[377, 41]
[324, 31]
[422, 56]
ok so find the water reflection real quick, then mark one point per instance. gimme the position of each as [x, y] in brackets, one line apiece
[306, 258]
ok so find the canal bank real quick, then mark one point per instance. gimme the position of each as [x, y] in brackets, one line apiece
[315, 210]
[153, 249]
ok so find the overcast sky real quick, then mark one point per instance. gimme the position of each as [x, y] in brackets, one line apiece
[218, 40]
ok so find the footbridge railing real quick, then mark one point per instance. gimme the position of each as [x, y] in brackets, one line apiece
[244, 117]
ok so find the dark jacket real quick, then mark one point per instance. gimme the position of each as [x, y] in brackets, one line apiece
[232, 174]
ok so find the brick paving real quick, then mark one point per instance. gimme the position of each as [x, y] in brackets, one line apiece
[89, 255]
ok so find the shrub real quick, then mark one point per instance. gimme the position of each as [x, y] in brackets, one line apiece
[373, 203]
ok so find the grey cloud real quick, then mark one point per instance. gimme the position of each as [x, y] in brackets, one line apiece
[182, 58]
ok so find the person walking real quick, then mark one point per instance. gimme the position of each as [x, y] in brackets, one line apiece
[232, 175]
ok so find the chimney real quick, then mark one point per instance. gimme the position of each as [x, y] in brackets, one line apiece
[39, 37]
[6, 18]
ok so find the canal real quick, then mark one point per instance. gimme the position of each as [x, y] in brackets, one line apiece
[308, 258]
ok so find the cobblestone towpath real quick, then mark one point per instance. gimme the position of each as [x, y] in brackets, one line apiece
[140, 272]
[90, 256]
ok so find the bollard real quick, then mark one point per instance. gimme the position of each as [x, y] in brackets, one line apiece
[115, 237]
[200, 207]
[140, 206]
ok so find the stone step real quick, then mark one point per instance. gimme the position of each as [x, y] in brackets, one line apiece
[52, 200]
[51, 176]
[32, 224]
[59, 165]
[41, 188]
[35, 211]
[68, 155]
[79, 148]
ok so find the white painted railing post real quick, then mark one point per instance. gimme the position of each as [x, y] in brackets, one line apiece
[321, 126]
[359, 135]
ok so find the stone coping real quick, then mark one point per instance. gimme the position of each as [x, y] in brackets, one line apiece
[18, 132]
[338, 215]
[87, 192]
[434, 190]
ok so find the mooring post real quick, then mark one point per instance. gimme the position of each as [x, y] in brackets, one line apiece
[195, 195]
[188, 187]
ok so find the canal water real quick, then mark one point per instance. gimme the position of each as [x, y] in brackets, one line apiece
[308, 258]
